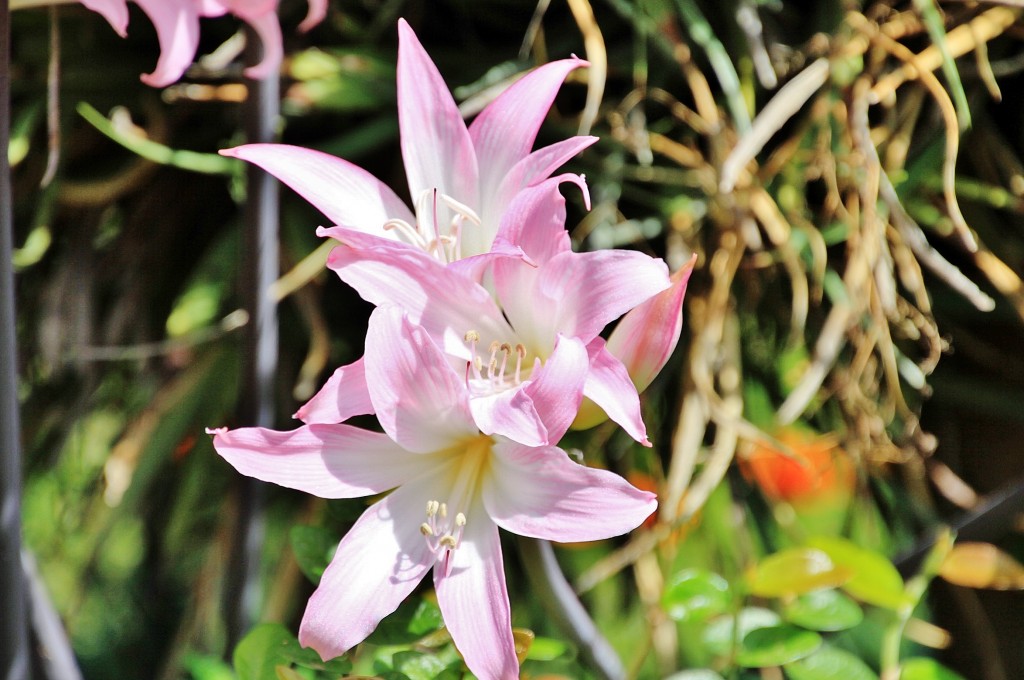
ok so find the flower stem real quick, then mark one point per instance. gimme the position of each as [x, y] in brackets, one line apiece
[14, 648]
[561, 603]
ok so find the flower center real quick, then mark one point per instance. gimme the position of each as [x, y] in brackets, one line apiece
[497, 373]
[428, 233]
[442, 534]
[446, 520]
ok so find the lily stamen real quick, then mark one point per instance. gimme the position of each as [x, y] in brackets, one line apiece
[409, 232]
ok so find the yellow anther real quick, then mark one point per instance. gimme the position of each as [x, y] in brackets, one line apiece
[444, 510]
[432, 507]
[426, 530]
[495, 346]
[448, 541]
[521, 350]
[472, 336]
[460, 520]
[505, 347]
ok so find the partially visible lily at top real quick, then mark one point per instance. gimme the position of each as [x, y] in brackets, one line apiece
[177, 28]
[461, 179]
[454, 486]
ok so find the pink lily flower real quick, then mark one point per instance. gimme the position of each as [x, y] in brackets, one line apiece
[502, 341]
[177, 28]
[453, 488]
[461, 179]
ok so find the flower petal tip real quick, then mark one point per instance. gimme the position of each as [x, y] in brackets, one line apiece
[214, 431]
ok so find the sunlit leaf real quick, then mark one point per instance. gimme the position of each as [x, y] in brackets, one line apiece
[824, 610]
[794, 571]
[830, 663]
[696, 595]
[873, 580]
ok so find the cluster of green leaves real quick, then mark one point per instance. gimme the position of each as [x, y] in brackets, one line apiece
[802, 610]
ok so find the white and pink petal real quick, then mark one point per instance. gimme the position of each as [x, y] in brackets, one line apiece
[379, 562]
[343, 396]
[329, 461]
[609, 386]
[436, 145]
[645, 337]
[419, 399]
[541, 493]
[345, 193]
[474, 601]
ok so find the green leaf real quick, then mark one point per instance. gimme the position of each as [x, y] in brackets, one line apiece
[719, 636]
[411, 621]
[286, 673]
[696, 674]
[313, 547]
[795, 571]
[418, 666]
[874, 579]
[206, 163]
[924, 668]
[548, 649]
[207, 667]
[824, 610]
[265, 647]
[776, 645]
[696, 595]
[830, 663]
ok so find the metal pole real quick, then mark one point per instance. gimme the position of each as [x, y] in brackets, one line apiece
[260, 270]
[14, 647]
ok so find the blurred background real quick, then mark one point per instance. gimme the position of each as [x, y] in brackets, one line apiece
[849, 379]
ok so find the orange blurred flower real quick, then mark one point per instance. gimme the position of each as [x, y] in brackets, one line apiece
[814, 468]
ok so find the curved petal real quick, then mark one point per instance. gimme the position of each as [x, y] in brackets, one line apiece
[343, 395]
[474, 602]
[541, 493]
[329, 461]
[475, 267]
[420, 401]
[348, 195]
[646, 336]
[589, 290]
[556, 390]
[317, 13]
[534, 168]
[268, 28]
[114, 11]
[608, 385]
[441, 300]
[380, 561]
[504, 132]
[436, 146]
[177, 30]
[510, 413]
[535, 219]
